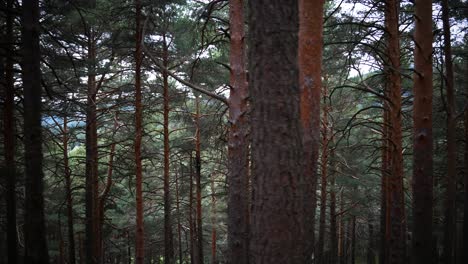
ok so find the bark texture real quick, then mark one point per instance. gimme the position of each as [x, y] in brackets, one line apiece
[395, 231]
[35, 243]
[277, 217]
[422, 141]
[310, 83]
[238, 145]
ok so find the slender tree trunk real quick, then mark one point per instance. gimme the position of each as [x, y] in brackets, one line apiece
[310, 82]
[139, 236]
[200, 258]
[422, 141]
[213, 221]
[396, 226]
[324, 175]
[9, 139]
[190, 215]
[450, 210]
[168, 238]
[333, 220]
[277, 218]
[35, 243]
[68, 187]
[179, 226]
[238, 145]
[341, 231]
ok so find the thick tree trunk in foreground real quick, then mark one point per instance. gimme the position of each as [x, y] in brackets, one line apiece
[310, 81]
[395, 232]
[168, 238]
[422, 140]
[92, 181]
[68, 188]
[238, 145]
[9, 139]
[139, 236]
[277, 217]
[35, 243]
[450, 191]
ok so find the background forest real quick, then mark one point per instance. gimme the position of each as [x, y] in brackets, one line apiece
[130, 131]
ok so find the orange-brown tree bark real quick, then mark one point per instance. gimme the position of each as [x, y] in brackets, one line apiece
[35, 243]
[395, 232]
[310, 83]
[422, 250]
[238, 145]
[139, 236]
[168, 238]
[448, 255]
[277, 216]
[9, 136]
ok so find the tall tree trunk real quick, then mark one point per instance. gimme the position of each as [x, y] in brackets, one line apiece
[9, 138]
[238, 145]
[168, 239]
[396, 222]
[341, 234]
[310, 83]
[179, 226]
[68, 188]
[450, 210]
[333, 220]
[139, 237]
[324, 175]
[200, 258]
[35, 243]
[277, 218]
[465, 206]
[213, 221]
[190, 215]
[422, 141]
[92, 181]
[353, 240]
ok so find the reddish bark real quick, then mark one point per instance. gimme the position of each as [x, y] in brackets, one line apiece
[422, 142]
[448, 255]
[35, 243]
[168, 239]
[395, 232]
[9, 141]
[139, 236]
[310, 83]
[277, 218]
[238, 145]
